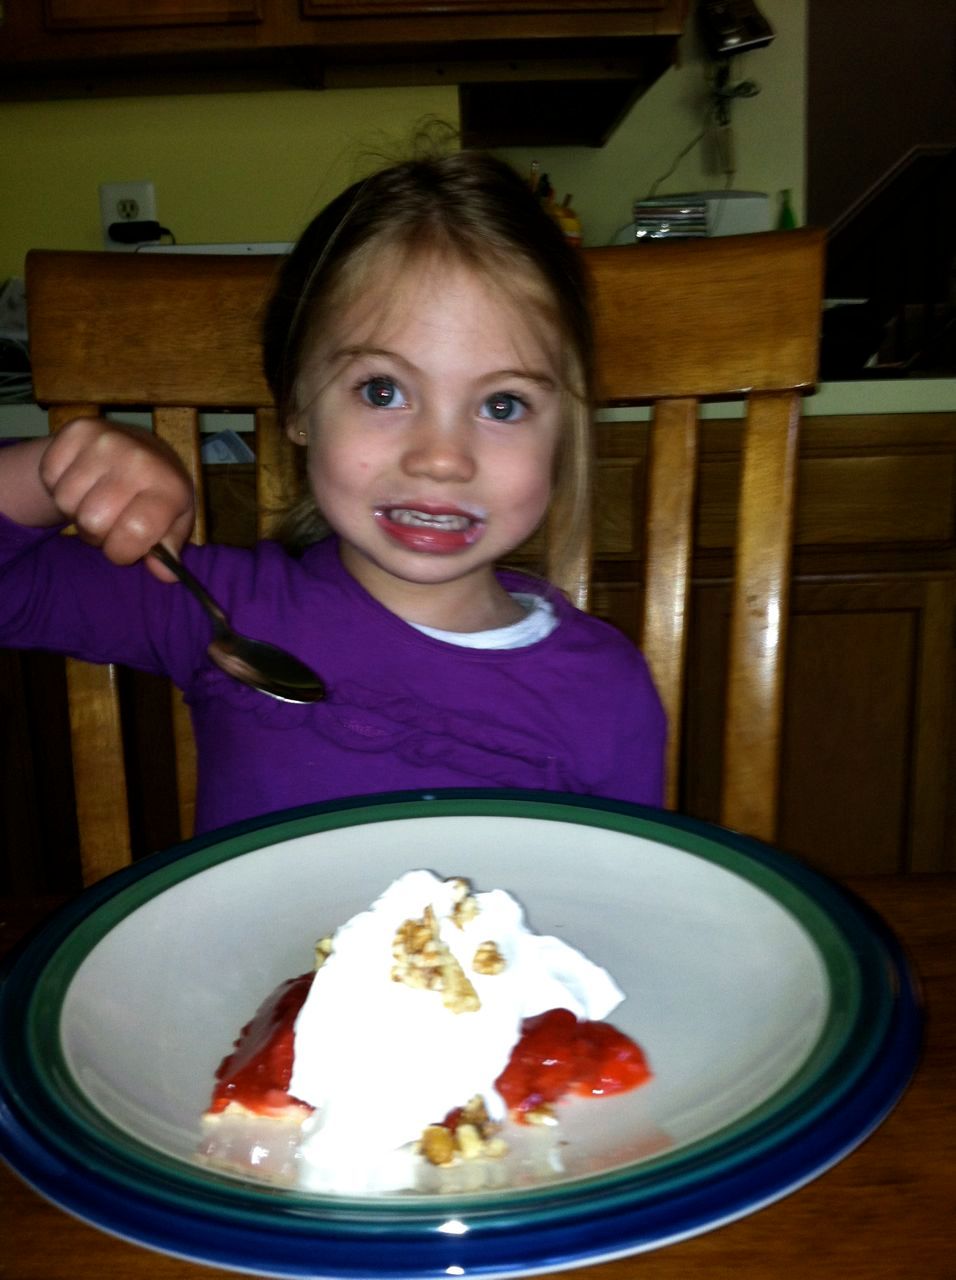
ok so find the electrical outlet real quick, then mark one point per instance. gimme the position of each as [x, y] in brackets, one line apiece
[125, 202]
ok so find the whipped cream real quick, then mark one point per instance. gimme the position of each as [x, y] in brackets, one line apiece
[379, 1060]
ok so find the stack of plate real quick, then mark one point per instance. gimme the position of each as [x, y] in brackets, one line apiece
[669, 217]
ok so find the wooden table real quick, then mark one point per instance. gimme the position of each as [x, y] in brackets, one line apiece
[886, 1211]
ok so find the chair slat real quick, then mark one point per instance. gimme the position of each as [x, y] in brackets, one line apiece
[752, 727]
[99, 768]
[671, 491]
[276, 472]
[185, 762]
[60, 414]
[179, 427]
[96, 733]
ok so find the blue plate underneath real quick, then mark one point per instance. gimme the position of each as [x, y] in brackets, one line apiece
[57, 1139]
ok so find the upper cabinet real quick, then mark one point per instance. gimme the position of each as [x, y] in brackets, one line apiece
[529, 72]
[117, 15]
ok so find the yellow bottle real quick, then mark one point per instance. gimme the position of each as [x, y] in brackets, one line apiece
[568, 221]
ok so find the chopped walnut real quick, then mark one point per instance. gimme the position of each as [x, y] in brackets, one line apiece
[475, 1112]
[438, 1145]
[471, 1136]
[458, 994]
[468, 1142]
[488, 960]
[416, 950]
[424, 962]
[465, 907]
[323, 949]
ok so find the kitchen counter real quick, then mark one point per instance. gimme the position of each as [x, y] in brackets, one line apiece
[839, 399]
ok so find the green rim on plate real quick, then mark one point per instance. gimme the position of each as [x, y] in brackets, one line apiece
[855, 1021]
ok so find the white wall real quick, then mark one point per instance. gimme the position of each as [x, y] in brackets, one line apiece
[769, 133]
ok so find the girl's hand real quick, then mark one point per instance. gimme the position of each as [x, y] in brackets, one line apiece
[122, 487]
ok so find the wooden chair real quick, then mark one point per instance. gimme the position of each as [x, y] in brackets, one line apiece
[172, 334]
[676, 323]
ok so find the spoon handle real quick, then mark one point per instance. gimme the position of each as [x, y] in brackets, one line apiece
[176, 566]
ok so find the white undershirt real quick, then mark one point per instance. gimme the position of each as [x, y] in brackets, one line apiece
[539, 621]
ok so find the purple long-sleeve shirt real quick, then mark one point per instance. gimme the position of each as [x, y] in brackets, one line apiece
[574, 712]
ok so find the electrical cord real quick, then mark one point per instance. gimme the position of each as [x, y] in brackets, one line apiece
[722, 95]
[679, 157]
[138, 232]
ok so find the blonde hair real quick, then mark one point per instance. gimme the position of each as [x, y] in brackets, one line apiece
[475, 210]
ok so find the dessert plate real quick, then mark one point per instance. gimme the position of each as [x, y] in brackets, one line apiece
[776, 1011]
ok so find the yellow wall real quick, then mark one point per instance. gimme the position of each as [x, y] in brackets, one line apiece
[769, 131]
[256, 166]
[236, 166]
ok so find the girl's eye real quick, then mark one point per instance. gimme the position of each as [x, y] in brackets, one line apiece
[382, 393]
[504, 407]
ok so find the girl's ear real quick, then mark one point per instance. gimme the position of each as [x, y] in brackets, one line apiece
[295, 432]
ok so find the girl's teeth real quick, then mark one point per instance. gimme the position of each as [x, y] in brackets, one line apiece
[425, 519]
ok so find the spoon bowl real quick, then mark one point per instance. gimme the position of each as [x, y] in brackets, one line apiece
[260, 665]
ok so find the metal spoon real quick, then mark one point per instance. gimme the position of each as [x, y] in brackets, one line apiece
[252, 662]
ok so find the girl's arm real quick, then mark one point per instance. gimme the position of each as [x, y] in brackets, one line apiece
[123, 488]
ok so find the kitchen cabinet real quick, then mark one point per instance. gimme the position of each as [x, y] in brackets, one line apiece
[324, 8]
[868, 750]
[866, 723]
[117, 15]
[533, 72]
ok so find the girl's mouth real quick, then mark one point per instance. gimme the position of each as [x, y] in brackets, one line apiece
[433, 532]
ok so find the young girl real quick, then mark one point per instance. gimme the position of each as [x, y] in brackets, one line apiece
[429, 345]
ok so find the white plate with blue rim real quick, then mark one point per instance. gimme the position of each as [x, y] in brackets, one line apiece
[776, 1010]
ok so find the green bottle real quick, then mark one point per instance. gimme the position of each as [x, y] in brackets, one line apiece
[786, 219]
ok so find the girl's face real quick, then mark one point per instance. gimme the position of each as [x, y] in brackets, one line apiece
[431, 413]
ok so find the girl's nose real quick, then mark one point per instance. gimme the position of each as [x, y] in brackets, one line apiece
[440, 452]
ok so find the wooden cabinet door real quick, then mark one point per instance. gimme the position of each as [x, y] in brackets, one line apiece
[867, 753]
[117, 15]
[353, 8]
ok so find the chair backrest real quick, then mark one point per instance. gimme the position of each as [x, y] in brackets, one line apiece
[676, 323]
[172, 334]
[735, 317]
